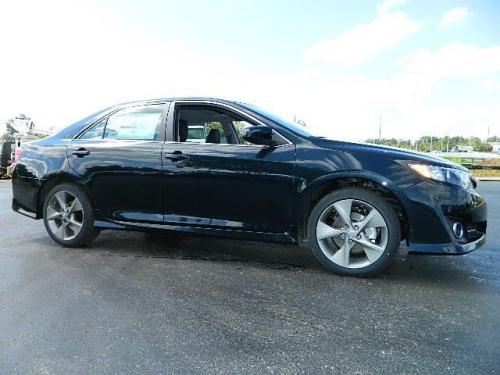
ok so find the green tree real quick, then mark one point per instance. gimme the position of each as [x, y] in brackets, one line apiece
[9, 131]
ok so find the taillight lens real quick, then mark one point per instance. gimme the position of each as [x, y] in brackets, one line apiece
[17, 154]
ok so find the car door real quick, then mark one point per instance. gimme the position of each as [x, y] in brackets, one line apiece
[213, 179]
[119, 161]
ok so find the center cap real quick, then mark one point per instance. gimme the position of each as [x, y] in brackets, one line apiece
[351, 233]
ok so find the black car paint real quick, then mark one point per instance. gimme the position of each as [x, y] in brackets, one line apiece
[245, 191]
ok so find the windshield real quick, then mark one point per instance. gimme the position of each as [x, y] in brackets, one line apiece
[296, 128]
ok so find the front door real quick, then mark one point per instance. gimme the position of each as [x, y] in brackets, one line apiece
[119, 161]
[214, 178]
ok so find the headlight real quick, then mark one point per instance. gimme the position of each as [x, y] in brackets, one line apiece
[449, 175]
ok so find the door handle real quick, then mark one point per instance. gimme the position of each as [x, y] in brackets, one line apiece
[81, 152]
[175, 156]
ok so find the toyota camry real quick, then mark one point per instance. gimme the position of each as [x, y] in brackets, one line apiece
[218, 167]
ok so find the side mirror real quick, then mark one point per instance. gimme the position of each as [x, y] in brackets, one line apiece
[259, 134]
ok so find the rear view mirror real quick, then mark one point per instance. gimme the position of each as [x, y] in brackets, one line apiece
[259, 134]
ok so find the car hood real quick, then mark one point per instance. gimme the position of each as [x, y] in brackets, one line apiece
[386, 151]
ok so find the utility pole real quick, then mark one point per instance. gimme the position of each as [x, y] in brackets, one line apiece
[380, 128]
[430, 147]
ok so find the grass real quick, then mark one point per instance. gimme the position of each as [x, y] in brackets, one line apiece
[485, 173]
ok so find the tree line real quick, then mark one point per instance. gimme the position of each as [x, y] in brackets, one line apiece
[444, 144]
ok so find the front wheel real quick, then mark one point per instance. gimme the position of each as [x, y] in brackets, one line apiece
[354, 232]
[68, 216]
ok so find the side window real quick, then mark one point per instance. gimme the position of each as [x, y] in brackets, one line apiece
[141, 123]
[206, 124]
[136, 123]
[240, 127]
[96, 131]
[210, 124]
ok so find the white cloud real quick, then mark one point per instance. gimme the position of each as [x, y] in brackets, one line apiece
[414, 101]
[490, 84]
[363, 42]
[387, 5]
[454, 16]
[455, 59]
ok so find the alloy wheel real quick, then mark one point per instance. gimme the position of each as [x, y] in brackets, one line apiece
[65, 215]
[352, 233]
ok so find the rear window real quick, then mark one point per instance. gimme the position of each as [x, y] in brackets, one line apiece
[136, 123]
[72, 130]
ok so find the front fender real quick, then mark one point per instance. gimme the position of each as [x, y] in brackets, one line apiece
[311, 192]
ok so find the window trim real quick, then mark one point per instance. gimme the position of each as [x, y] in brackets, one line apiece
[171, 127]
[163, 122]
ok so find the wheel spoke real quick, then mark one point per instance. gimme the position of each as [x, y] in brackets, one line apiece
[75, 225]
[373, 220]
[343, 208]
[341, 257]
[52, 214]
[75, 206]
[61, 200]
[370, 245]
[371, 254]
[61, 231]
[324, 231]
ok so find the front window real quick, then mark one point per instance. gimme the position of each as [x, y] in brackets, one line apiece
[206, 124]
[210, 124]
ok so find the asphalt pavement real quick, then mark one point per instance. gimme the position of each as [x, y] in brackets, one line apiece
[164, 303]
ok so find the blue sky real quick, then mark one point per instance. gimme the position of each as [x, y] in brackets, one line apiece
[423, 67]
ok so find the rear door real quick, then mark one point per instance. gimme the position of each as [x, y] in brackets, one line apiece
[213, 178]
[119, 160]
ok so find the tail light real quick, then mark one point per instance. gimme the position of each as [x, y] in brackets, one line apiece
[17, 154]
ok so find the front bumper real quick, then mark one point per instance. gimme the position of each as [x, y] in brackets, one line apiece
[451, 248]
[432, 209]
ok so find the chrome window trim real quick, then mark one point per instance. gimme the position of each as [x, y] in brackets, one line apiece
[228, 144]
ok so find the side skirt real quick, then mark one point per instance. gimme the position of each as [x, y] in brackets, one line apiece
[230, 233]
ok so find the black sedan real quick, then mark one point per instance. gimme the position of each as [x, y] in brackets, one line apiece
[218, 167]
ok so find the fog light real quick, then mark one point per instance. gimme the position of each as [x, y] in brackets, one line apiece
[458, 230]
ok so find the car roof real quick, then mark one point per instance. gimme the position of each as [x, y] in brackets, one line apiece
[176, 99]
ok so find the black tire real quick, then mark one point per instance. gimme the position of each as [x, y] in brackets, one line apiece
[88, 232]
[384, 208]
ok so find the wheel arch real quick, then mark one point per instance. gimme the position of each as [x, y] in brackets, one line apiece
[47, 185]
[355, 179]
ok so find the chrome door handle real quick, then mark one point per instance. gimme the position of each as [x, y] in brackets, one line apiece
[81, 152]
[175, 156]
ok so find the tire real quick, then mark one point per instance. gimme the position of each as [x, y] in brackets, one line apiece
[73, 224]
[363, 247]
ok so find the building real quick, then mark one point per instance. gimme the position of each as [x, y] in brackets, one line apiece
[495, 147]
[462, 149]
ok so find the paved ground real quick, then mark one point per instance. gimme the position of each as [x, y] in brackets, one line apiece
[148, 304]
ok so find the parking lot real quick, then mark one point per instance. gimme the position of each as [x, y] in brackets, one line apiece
[138, 303]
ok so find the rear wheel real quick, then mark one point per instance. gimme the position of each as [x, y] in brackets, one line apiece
[354, 232]
[68, 216]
